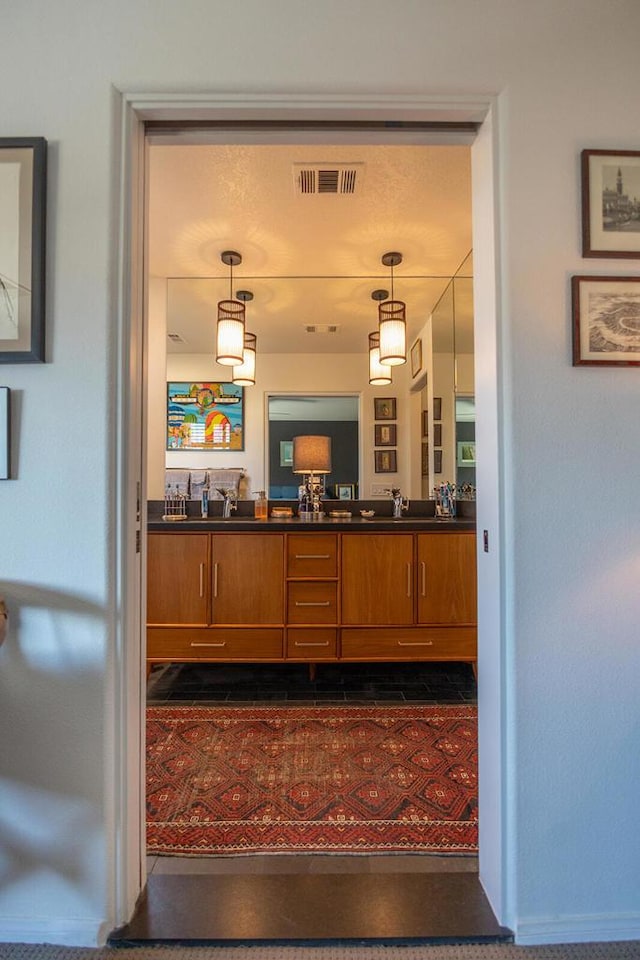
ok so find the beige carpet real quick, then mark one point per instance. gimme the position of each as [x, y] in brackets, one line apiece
[493, 951]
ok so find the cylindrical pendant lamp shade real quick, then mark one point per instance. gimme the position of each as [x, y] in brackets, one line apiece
[312, 454]
[244, 374]
[230, 333]
[393, 332]
[379, 373]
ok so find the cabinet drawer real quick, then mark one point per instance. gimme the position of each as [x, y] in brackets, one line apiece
[312, 601]
[312, 555]
[406, 643]
[311, 643]
[213, 643]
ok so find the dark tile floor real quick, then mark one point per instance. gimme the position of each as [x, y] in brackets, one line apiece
[334, 683]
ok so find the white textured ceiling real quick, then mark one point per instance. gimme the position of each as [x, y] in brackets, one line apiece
[308, 260]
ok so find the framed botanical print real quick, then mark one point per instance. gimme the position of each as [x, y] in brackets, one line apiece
[384, 408]
[386, 461]
[385, 434]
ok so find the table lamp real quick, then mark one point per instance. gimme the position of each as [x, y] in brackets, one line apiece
[312, 457]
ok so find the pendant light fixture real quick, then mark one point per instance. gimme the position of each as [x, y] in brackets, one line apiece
[379, 373]
[230, 331]
[392, 323]
[244, 374]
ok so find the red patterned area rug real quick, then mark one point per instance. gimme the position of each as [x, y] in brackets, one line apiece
[311, 780]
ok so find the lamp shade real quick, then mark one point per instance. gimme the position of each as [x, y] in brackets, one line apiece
[230, 332]
[312, 454]
[244, 374]
[379, 373]
[393, 332]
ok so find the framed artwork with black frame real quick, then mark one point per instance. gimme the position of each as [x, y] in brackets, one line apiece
[611, 203]
[23, 199]
[384, 408]
[606, 321]
[437, 461]
[385, 435]
[437, 434]
[386, 461]
[437, 408]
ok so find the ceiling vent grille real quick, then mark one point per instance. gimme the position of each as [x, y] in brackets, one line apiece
[322, 328]
[176, 338]
[337, 179]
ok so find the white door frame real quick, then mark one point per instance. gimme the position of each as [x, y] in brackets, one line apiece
[128, 674]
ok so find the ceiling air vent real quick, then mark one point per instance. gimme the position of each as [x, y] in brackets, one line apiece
[176, 338]
[321, 328]
[339, 179]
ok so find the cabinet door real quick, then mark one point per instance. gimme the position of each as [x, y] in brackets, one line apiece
[177, 578]
[248, 578]
[377, 578]
[447, 590]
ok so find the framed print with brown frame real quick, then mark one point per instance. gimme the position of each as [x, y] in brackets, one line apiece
[416, 358]
[386, 461]
[606, 321]
[385, 434]
[384, 408]
[611, 203]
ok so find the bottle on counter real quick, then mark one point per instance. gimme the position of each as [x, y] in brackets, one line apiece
[260, 508]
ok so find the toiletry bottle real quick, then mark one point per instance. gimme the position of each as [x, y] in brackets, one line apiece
[260, 508]
[205, 502]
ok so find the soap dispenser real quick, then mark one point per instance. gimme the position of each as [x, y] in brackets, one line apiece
[260, 508]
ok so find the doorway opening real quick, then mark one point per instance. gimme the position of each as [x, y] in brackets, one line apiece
[151, 283]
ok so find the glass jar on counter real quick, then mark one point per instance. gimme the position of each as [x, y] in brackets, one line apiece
[261, 506]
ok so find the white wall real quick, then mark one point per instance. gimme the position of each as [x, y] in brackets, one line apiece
[567, 75]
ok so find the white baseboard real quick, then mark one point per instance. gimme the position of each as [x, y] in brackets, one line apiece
[578, 929]
[67, 933]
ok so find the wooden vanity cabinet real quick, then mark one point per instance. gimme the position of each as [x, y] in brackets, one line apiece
[312, 578]
[377, 578]
[446, 568]
[247, 572]
[177, 578]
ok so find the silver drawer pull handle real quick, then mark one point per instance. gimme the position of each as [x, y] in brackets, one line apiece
[423, 567]
[215, 579]
[408, 579]
[313, 603]
[309, 643]
[222, 643]
[202, 579]
[312, 556]
[415, 643]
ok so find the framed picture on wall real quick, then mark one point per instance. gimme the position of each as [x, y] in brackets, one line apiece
[466, 453]
[205, 416]
[437, 461]
[611, 203]
[437, 434]
[385, 435]
[425, 423]
[5, 433]
[386, 461]
[286, 453]
[606, 321]
[384, 408]
[23, 188]
[424, 460]
[437, 408]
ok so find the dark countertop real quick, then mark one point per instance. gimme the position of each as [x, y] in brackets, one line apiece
[355, 525]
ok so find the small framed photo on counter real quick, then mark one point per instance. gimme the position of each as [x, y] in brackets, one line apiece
[345, 491]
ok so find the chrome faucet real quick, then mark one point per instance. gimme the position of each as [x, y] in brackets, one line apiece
[400, 503]
[229, 504]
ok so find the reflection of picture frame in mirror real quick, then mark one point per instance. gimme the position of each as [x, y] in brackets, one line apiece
[386, 461]
[384, 408]
[437, 408]
[385, 435]
[425, 459]
[466, 453]
[416, 358]
[345, 491]
[425, 423]
[437, 434]
[286, 453]
[437, 461]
